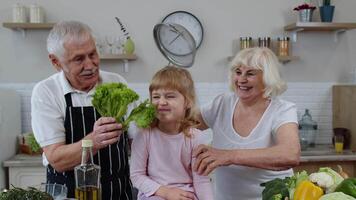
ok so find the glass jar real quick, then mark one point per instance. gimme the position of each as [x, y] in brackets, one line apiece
[307, 130]
[245, 42]
[264, 42]
[19, 13]
[283, 46]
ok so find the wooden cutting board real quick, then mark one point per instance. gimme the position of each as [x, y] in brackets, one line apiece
[344, 109]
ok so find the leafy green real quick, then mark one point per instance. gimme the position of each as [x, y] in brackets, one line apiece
[21, 194]
[336, 196]
[142, 115]
[274, 189]
[32, 143]
[335, 176]
[113, 99]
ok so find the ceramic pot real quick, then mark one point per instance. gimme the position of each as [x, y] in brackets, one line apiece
[326, 13]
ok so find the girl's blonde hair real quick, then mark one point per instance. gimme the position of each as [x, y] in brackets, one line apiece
[265, 60]
[174, 78]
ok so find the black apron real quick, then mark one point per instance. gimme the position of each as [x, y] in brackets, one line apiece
[113, 160]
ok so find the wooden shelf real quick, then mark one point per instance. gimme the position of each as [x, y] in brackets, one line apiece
[319, 26]
[283, 59]
[13, 25]
[118, 57]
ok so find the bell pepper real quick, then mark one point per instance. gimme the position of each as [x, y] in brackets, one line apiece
[306, 190]
[347, 186]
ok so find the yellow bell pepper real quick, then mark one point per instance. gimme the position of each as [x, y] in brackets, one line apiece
[306, 190]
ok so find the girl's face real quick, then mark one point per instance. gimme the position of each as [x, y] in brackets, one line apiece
[249, 83]
[171, 105]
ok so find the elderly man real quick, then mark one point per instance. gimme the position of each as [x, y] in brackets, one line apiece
[62, 114]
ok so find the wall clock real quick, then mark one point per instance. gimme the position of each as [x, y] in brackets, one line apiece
[176, 43]
[188, 21]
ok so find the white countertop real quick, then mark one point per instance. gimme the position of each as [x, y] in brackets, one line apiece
[21, 160]
[326, 153]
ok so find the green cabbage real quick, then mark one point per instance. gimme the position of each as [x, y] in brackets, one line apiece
[336, 196]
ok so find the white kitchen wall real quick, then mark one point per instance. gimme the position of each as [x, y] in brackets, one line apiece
[316, 97]
[24, 59]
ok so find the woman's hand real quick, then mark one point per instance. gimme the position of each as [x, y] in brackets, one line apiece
[174, 194]
[209, 158]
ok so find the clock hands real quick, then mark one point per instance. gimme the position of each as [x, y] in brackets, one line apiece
[180, 33]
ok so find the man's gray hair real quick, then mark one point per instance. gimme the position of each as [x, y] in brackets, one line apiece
[66, 31]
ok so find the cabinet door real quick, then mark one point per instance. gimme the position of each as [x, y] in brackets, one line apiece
[347, 166]
[26, 176]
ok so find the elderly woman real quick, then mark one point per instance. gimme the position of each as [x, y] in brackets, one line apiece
[255, 133]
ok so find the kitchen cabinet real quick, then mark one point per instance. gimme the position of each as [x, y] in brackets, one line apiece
[312, 159]
[347, 166]
[336, 28]
[25, 170]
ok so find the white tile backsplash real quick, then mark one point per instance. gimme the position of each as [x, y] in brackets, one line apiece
[317, 97]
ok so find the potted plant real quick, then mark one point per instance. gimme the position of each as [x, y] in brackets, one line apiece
[326, 11]
[305, 12]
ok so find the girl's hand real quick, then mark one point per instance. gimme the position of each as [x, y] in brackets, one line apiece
[208, 158]
[174, 194]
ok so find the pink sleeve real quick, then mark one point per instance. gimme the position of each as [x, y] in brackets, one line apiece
[138, 167]
[202, 184]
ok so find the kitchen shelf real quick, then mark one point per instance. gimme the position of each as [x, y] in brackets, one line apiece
[14, 25]
[118, 57]
[337, 28]
[282, 59]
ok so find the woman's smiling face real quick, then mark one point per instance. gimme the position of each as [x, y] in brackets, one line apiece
[248, 82]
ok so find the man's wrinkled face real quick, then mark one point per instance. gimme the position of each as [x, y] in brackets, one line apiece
[80, 63]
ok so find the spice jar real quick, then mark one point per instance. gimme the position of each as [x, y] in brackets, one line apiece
[36, 14]
[19, 13]
[283, 46]
[264, 42]
[245, 42]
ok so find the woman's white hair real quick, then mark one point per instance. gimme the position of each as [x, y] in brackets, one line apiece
[266, 61]
[66, 31]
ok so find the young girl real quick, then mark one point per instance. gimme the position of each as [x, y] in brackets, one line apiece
[162, 159]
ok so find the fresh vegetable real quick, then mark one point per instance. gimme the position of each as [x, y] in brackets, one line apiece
[32, 143]
[306, 190]
[22, 194]
[275, 189]
[322, 179]
[341, 172]
[142, 115]
[294, 181]
[335, 176]
[347, 186]
[113, 99]
[336, 196]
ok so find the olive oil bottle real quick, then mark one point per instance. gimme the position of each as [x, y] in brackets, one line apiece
[87, 175]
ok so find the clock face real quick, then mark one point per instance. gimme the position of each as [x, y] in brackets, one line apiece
[175, 41]
[189, 21]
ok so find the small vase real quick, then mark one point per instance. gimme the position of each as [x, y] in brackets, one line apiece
[305, 15]
[326, 13]
[129, 46]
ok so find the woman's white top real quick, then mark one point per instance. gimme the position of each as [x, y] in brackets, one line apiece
[239, 182]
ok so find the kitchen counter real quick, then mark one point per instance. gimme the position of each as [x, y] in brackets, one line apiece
[326, 153]
[21, 160]
[25, 170]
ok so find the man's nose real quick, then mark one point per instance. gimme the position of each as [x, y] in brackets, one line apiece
[90, 62]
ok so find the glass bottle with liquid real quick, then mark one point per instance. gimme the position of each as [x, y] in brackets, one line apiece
[87, 175]
[307, 130]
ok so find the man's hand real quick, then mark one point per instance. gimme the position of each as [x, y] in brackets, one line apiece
[174, 194]
[106, 131]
